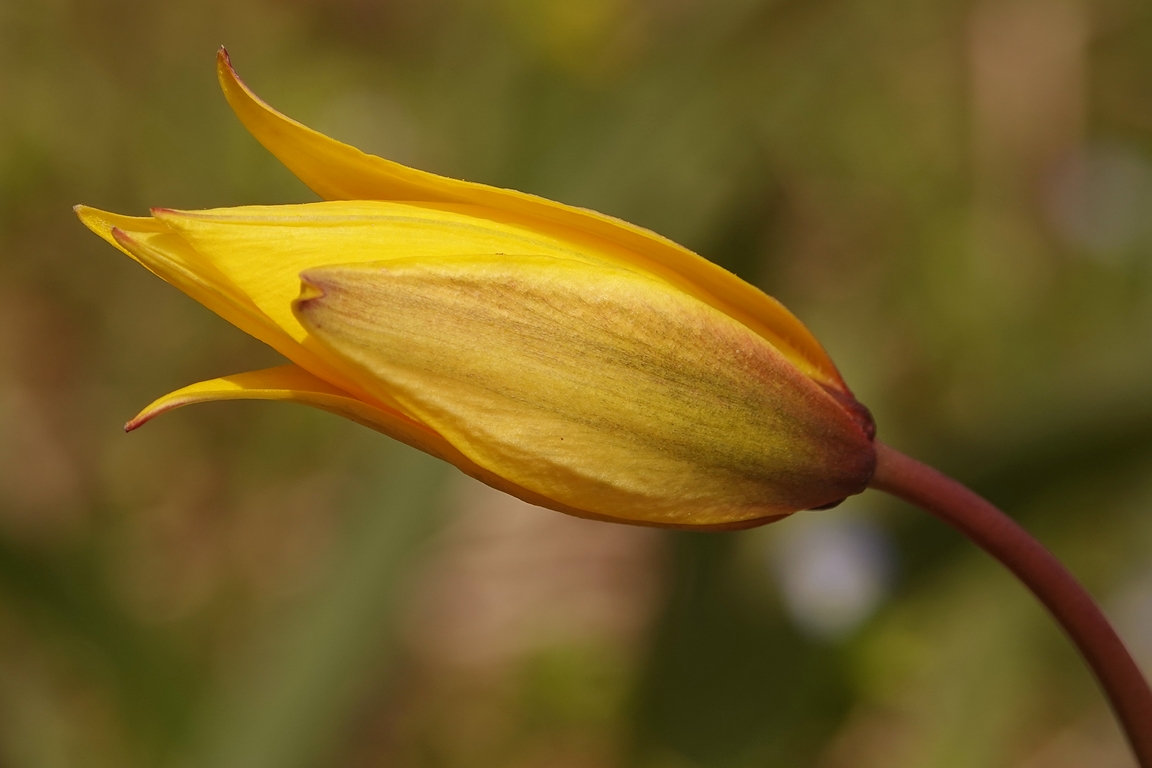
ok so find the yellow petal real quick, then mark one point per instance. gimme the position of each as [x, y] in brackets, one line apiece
[263, 249]
[259, 252]
[597, 387]
[292, 384]
[336, 171]
[152, 244]
[164, 253]
[102, 223]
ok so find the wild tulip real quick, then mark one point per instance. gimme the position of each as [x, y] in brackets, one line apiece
[569, 358]
[566, 357]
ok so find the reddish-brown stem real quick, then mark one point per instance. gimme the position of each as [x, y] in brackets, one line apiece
[1041, 572]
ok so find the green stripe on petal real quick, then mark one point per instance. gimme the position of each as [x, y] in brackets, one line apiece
[598, 387]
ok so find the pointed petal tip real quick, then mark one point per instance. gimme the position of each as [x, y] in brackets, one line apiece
[139, 420]
[98, 221]
[122, 237]
[224, 61]
[228, 77]
[163, 405]
[88, 215]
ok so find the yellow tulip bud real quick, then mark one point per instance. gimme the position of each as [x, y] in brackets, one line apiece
[566, 357]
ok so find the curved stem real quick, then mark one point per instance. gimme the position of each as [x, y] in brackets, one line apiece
[1041, 572]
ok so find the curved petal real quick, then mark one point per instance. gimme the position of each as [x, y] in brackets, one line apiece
[152, 244]
[292, 384]
[161, 250]
[599, 387]
[337, 171]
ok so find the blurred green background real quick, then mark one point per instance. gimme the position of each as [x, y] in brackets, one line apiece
[955, 196]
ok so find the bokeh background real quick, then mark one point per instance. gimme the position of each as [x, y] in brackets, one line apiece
[956, 196]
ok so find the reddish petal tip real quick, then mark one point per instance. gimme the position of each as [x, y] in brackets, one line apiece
[121, 236]
[224, 59]
[162, 406]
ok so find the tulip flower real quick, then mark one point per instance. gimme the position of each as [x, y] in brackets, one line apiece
[569, 358]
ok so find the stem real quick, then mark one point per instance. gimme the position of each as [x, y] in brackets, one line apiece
[1041, 572]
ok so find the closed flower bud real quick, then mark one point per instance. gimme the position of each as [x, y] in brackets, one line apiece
[566, 357]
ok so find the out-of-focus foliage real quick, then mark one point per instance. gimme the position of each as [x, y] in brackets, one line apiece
[955, 196]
